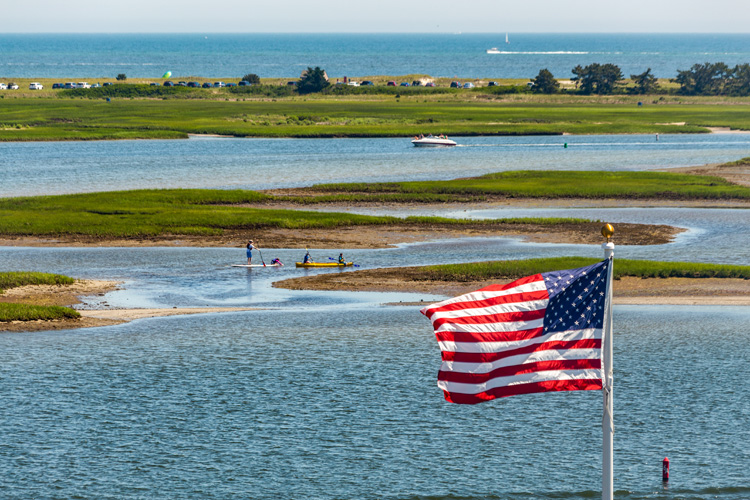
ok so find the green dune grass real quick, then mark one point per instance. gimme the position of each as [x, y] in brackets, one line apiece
[542, 184]
[27, 312]
[513, 269]
[13, 279]
[201, 212]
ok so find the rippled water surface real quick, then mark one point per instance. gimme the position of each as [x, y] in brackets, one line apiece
[32, 168]
[332, 395]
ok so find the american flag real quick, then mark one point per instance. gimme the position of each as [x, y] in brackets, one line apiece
[537, 334]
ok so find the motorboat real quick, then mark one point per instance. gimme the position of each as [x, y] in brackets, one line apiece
[493, 50]
[432, 141]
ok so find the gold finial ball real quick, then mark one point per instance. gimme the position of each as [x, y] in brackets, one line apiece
[608, 231]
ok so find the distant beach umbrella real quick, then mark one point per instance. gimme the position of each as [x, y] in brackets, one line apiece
[167, 74]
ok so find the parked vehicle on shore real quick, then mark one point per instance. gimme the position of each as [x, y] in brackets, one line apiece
[492, 84]
[168, 84]
[36, 86]
[219, 85]
[57, 85]
[69, 85]
[405, 84]
[107, 84]
[455, 85]
[3, 86]
[206, 85]
[367, 83]
[194, 85]
[429, 84]
[12, 86]
[468, 85]
[391, 84]
[231, 84]
[83, 85]
[244, 83]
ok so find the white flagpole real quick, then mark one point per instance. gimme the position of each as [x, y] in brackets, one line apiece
[608, 429]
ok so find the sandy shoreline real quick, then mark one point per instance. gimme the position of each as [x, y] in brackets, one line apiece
[628, 290]
[76, 294]
[364, 236]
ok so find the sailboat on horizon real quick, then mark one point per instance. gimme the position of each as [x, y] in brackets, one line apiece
[495, 50]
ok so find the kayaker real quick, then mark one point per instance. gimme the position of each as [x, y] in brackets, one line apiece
[250, 247]
[307, 259]
[341, 259]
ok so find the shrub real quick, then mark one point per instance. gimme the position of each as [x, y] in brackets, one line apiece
[252, 78]
[121, 77]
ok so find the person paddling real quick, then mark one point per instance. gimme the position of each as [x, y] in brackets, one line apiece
[341, 259]
[250, 247]
[307, 259]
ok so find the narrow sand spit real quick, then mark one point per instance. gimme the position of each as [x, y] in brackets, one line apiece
[348, 237]
[68, 295]
[628, 290]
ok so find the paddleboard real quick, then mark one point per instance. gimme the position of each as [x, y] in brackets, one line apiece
[255, 265]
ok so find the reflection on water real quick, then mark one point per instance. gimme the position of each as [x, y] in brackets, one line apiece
[343, 403]
[53, 168]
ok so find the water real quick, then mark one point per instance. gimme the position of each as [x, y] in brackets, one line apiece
[55, 168]
[103, 56]
[343, 404]
[330, 395]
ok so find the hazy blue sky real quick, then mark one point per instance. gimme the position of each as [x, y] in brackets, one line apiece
[211, 16]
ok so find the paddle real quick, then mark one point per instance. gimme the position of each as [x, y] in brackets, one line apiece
[261, 258]
[331, 258]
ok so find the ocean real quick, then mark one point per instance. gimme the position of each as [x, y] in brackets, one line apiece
[287, 55]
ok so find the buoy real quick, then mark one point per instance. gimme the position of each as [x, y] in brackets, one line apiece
[665, 469]
[565, 145]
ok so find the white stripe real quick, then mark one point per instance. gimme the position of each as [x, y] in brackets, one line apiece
[453, 346]
[526, 305]
[520, 359]
[525, 378]
[534, 286]
[503, 326]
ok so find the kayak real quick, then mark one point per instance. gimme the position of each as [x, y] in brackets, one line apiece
[323, 264]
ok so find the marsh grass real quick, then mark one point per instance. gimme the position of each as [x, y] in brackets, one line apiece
[26, 312]
[197, 212]
[477, 271]
[467, 114]
[548, 184]
[14, 279]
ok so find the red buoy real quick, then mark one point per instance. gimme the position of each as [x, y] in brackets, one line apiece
[665, 469]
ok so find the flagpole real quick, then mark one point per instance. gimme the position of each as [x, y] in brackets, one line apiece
[608, 429]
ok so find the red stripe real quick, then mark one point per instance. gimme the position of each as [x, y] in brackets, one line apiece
[490, 318]
[513, 390]
[487, 357]
[493, 301]
[488, 336]
[508, 371]
[492, 288]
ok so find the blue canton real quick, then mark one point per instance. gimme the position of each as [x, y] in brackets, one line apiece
[576, 298]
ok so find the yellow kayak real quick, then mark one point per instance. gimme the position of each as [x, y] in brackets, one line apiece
[323, 264]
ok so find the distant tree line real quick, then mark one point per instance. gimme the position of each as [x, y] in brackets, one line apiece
[606, 79]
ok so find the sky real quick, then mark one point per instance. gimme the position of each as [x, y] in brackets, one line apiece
[375, 16]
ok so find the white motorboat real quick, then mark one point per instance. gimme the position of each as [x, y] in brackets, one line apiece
[433, 142]
[493, 50]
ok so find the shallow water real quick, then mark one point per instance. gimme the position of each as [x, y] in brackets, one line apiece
[33, 168]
